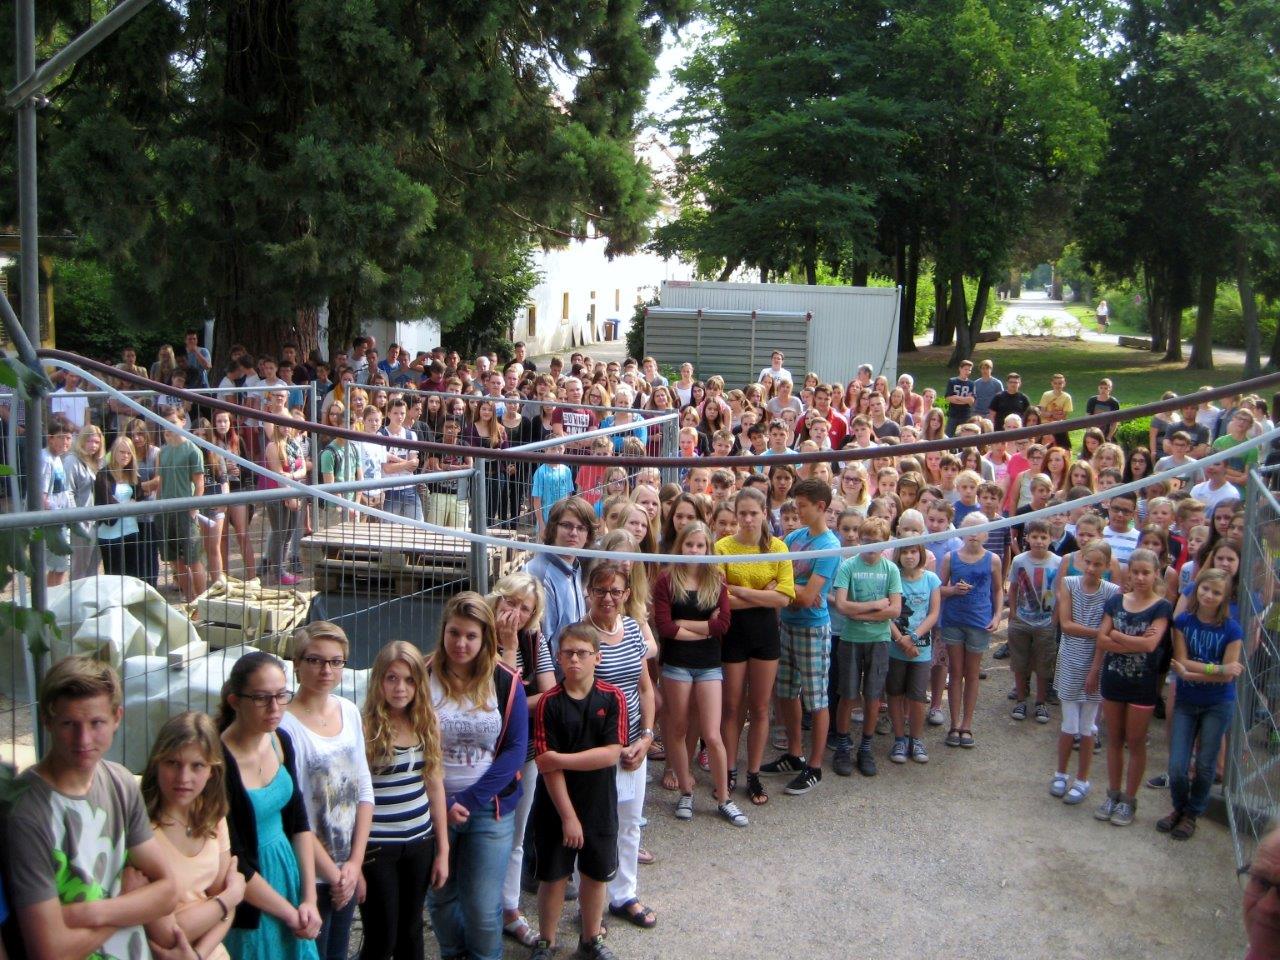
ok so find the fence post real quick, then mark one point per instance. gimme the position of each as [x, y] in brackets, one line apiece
[670, 434]
[316, 438]
[479, 524]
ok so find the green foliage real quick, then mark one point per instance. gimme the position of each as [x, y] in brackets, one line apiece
[91, 319]
[502, 288]
[635, 333]
[1228, 318]
[1134, 433]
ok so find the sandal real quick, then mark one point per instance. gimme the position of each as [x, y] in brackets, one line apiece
[520, 931]
[645, 857]
[1185, 829]
[657, 751]
[733, 779]
[644, 917]
[755, 790]
[953, 738]
[669, 781]
[966, 740]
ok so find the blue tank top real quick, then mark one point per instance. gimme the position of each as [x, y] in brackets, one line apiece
[972, 609]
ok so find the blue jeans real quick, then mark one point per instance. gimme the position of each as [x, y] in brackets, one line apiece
[466, 914]
[335, 925]
[1209, 723]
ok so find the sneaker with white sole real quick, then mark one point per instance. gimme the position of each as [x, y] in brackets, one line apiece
[787, 763]
[729, 810]
[803, 782]
[1078, 792]
[1019, 712]
[918, 753]
[935, 717]
[1108, 807]
[1123, 814]
[1042, 713]
[595, 949]
[684, 807]
[898, 752]
[884, 724]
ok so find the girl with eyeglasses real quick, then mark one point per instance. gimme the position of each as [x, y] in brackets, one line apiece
[333, 775]
[271, 837]
[147, 456]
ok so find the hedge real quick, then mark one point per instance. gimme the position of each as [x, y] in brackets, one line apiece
[1134, 433]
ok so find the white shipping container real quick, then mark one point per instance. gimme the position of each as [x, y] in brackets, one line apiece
[848, 326]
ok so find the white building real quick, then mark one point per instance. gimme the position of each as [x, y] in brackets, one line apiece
[582, 289]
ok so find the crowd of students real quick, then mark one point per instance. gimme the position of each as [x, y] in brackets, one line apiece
[517, 754]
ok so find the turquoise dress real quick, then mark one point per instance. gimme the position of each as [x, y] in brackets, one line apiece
[272, 940]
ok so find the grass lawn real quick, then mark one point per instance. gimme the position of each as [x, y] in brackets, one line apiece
[1139, 376]
[1088, 319]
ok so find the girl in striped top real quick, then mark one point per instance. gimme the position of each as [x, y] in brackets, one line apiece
[409, 841]
[1080, 607]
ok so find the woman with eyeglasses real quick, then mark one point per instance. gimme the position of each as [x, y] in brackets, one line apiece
[571, 523]
[147, 456]
[333, 775]
[625, 645]
[271, 836]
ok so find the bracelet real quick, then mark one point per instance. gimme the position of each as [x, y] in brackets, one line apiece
[225, 912]
[1210, 669]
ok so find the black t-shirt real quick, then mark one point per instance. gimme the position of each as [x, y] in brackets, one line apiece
[566, 725]
[1098, 405]
[1005, 403]
[959, 387]
[1198, 432]
[1133, 677]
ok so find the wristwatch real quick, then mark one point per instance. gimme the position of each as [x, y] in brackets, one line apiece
[646, 732]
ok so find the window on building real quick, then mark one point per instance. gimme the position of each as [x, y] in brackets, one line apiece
[617, 299]
[532, 326]
[564, 307]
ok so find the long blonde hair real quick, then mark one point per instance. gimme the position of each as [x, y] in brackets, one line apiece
[208, 809]
[379, 745]
[82, 455]
[478, 688]
[120, 474]
[682, 574]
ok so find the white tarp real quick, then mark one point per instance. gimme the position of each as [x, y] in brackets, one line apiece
[114, 618]
[154, 692]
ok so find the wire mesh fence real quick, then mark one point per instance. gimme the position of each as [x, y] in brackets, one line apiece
[1251, 786]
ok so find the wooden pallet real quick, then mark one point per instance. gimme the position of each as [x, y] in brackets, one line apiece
[403, 557]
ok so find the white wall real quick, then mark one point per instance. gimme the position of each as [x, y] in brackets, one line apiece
[579, 270]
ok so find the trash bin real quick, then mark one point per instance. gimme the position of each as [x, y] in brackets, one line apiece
[611, 328]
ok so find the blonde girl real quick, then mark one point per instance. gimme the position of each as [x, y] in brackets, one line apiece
[518, 603]
[82, 468]
[1108, 456]
[1081, 475]
[118, 540]
[408, 848]
[484, 722]
[852, 488]
[691, 608]
[1126, 668]
[1057, 466]
[184, 788]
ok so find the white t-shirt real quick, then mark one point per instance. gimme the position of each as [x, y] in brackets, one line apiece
[333, 775]
[468, 738]
[1211, 498]
[71, 404]
[782, 373]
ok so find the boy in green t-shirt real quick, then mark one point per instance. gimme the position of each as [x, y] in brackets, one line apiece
[181, 472]
[868, 591]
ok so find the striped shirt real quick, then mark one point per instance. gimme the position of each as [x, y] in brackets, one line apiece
[1075, 654]
[401, 808]
[620, 665]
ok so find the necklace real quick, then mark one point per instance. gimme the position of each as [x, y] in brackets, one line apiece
[174, 821]
[609, 631]
[317, 715]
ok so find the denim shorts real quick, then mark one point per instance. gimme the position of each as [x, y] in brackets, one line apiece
[691, 674]
[974, 639]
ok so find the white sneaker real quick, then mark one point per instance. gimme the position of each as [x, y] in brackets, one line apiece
[935, 717]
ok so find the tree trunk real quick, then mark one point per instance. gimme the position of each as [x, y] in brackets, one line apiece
[729, 267]
[1202, 345]
[764, 274]
[1153, 308]
[944, 330]
[343, 325]
[957, 315]
[1173, 328]
[859, 273]
[1248, 308]
[1273, 360]
[911, 288]
[811, 272]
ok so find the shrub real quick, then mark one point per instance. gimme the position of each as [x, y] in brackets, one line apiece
[1134, 433]
[1228, 319]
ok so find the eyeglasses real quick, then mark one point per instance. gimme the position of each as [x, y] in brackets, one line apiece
[1123, 511]
[263, 700]
[337, 663]
[577, 654]
[570, 527]
[615, 594]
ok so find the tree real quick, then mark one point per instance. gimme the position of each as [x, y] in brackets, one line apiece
[258, 158]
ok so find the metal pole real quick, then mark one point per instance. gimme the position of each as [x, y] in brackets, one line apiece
[315, 459]
[479, 524]
[29, 286]
[31, 81]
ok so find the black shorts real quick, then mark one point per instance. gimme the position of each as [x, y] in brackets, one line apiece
[597, 860]
[752, 635]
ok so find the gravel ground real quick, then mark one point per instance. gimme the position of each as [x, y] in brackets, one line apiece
[968, 856]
